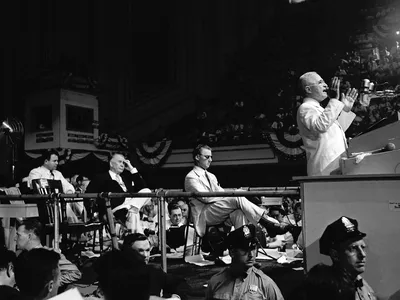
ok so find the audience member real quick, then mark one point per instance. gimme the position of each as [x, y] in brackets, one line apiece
[81, 184]
[48, 171]
[37, 273]
[28, 237]
[126, 210]
[241, 280]
[175, 226]
[279, 241]
[137, 249]
[120, 279]
[185, 210]
[7, 276]
[236, 211]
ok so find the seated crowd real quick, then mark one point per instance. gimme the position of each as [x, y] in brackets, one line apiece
[40, 272]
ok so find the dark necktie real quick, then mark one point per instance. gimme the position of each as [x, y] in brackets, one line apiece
[52, 174]
[208, 179]
[358, 283]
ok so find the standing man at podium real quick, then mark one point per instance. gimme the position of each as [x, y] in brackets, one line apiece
[322, 129]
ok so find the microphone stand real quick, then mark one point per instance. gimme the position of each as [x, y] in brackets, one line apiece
[10, 141]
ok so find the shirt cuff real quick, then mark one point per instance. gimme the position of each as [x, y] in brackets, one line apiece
[134, 170]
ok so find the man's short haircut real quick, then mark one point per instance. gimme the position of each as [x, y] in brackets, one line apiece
[112, 154]
[197, 150]
[305, 80]
[173, 205]
[118, 277]
[130, 239]
[34, 269]
[278, 208]
[32, 224]
[47, 154]
[6, 257]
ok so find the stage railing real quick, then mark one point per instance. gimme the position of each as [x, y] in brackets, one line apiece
[160, 195]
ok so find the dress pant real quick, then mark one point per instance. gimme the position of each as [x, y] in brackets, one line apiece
[237, 211]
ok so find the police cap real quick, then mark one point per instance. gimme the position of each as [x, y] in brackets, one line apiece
[342, 230]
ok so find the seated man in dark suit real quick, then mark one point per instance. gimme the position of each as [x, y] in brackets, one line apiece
[175, 226]
[116, 180]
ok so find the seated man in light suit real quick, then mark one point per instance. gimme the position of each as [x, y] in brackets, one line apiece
[236, 211]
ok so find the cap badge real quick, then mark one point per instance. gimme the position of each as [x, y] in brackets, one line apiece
[246, 232]
[349, 226]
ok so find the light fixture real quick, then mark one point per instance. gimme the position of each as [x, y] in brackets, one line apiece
[6, 126]
[398, 32]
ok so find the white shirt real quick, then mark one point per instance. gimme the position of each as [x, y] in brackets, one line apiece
[118, 178]
[42, 172]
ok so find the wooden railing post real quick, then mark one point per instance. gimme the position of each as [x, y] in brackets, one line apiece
[56, 204]
[162, 232]
[110, 219]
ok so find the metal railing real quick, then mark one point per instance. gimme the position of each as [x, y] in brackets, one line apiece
[160, 195]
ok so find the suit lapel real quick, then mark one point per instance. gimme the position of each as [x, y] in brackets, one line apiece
[203, 180]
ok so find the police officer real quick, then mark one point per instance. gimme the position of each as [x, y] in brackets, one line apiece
[241, 280]
[344, 243]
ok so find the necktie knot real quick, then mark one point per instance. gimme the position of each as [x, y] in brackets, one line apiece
[358, 283]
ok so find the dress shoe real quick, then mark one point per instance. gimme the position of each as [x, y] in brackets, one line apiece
[273, 226]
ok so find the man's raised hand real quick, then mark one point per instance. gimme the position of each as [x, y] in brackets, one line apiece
[349, 98]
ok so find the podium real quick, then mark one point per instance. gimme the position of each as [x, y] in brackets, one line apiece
[373, 200]
[385, 162]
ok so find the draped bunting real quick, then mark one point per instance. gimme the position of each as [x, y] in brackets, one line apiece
[67, 155]
[287, 144]
[154, 155]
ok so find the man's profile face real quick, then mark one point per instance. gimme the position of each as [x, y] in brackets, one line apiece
[352, 257]
[175, 216]
[143, 249]
[51, 163]
[204, 159]
[184, 208]
[317, 88]
[22, 238]
[117, 163]
[276, 214]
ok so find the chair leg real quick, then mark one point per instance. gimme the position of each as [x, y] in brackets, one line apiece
[186, 240]
[101, 238]
[94, 240]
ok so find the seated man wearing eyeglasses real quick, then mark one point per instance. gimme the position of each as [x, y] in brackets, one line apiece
[233, 211]
[344, 243]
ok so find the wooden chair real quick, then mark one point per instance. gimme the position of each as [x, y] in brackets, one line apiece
[68, 230]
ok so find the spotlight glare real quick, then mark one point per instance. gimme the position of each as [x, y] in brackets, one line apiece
[398, 32]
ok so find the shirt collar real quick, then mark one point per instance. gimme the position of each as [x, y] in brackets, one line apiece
[199, 170]
[113, 174]
[311, 101]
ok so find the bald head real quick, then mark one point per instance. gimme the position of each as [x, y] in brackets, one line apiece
[313, 86]
[306, 79]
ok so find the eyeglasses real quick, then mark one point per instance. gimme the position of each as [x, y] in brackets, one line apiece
[206, 156]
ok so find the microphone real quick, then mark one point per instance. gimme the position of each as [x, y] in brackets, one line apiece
[388, 147]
